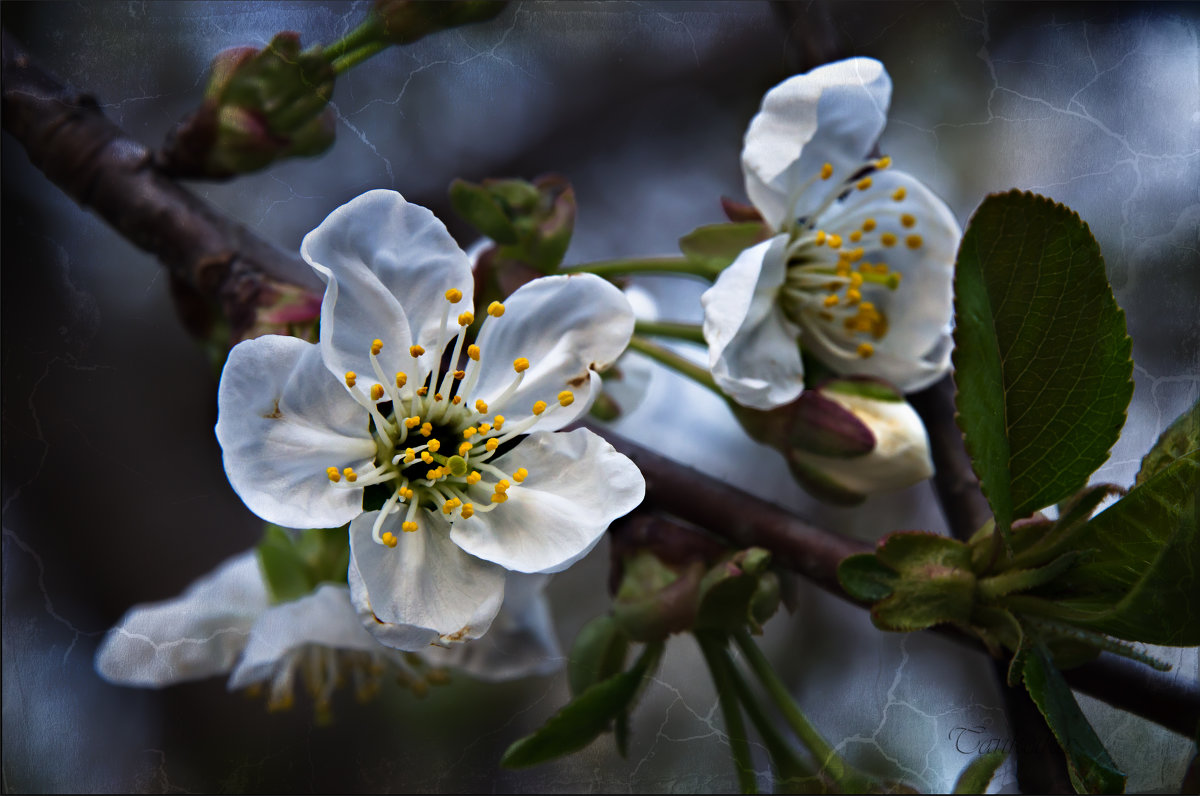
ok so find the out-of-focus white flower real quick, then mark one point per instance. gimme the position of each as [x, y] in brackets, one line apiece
[448, 473]
[224, 622]
[859, 272]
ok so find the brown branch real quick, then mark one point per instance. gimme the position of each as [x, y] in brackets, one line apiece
[93, 161]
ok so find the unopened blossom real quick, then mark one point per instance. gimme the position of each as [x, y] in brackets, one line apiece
[859, 270]
[225, 623]
[442, 454]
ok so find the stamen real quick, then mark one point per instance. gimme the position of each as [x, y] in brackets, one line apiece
[492, 444]
[376, 392]
[401, 380]
[868, 225]
[466, 319]
[467, 511]
[908, 220]
[376, 346]
[520, 475]
[454, 295]
[481, 406]
[351, 378]
[408, 526]
[913, 241]
[883, 162]
[495, 309]
[464, 448]
[498, 422]
[863, 184]
[389, 539]
[831, 300]
[856, 235]
[900, 193]
[827, 171]
[473, 352]
[521, 364]
[333, 474]
[865, 350]
[820, 239]
[426, 429]
[834, 241]
[415, 351]
[887, 239]
[350, 475]
[539, 407]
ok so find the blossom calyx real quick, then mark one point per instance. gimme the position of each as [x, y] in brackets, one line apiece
[529, 222]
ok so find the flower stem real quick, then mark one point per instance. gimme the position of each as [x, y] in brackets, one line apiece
[713, 648]
[644, 265]
[364, 34]
[356, 57]
[679, 331]
[667, 357]
[843, 775]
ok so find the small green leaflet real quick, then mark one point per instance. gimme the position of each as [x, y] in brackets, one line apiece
[978, 774]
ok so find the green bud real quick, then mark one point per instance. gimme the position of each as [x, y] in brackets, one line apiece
[738, 592]
[530, 222]
[654, 600]
[405, 21]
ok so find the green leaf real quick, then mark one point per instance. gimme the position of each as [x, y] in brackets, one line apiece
[979, 772]
[1088, 762]
[476, 205]
[597, 654]
[1041, 355]
[715, 246]
[582, 719]
[1143, 581]
[1180, 437]
[864, 578]
[935, 583]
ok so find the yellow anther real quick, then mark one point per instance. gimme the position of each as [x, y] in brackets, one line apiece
[887, 239]
[566, 398]
[437, 396]
[856, 280]
[868, 308]
[456, 400]
[469, 432]
[376, 392]
[464, 448]
[853, 296]
[435, 473]
[481, 406]
[827, 171]
[856, 235]
[454, 295]
[467, 511]
[868, 225]
[466, 318]
[913, 241]
[415, 351]
[495, 309]
[865, 268]
[376, 346]
[492, 444]
[865, 350]
[409, 455]
[520, 475]
[448, 507]
[426, 457]
[498, 422]
[883, 162]
[412, 422]
[908, 220]
[401, 380]
[351, 377]
[864, 183]
[389, 539]
[521, 364]
[333, 474]
[499, 497]
[820, 237]
[408, 526]
[538, 408]
[484, 428]
[834, 241]
[502, 485]
[426, 429]
[474, 477]
[473, 352]
[900, 193]
[423, 391]
[881, 268]
[406, 492]
[831, 300]
[351, 476]
[459, 375]
[856, 255]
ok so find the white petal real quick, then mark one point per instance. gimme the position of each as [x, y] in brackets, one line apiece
[577, 485]
[387, 265]
[752, 349]
[568, 327]
[833, 114]
[282, 420]
[521, 641]
[325, 618]
[423, 591]
[197, 634]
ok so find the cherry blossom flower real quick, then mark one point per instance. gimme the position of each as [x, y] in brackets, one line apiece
[859, 271]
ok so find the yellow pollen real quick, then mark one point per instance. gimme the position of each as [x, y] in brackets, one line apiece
[473, 352]
[415, 351]
[538, 408]
[856, 280]
[412, 422]
[853, 296]
[883, 162]
[376, 346]
[464, 448]
[426, 457]
[865, 350]
[913, 241]
[908, 220]
[881, 268]
[521, 364]
[900, 193]
[422, 391]
[499, 497]
[820, 237]
[435, 473]
[351, 476]
[856, 254]
[333, 474]
[459, 375]
[426, 429]
[492, 444]
[454, 295]
[406, 492]
[437, 396]
[456, 400]
[520, 475]
[830, 301]
[495, 309]
[865, 268]
[467, 510]
[498, 422]
[351, 377]
[389, 539]
[502, 485]
[827, 171]
[466, 319]
[868, 225]
[856, 235]
[566, 398]
[484, 428]
[481, 406]
[474, 477]
[409, 455]
[376, 392]
[863, 184]
[834, 241]
[408, 526]
[469, 432]
[401, 380]
[887, 239]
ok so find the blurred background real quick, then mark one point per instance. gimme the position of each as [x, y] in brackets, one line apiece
[113, 492]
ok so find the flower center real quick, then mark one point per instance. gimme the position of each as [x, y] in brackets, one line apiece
[830, 252]
[433, 440]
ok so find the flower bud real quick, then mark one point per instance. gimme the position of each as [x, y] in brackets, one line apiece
[530, 222]
[405, 21]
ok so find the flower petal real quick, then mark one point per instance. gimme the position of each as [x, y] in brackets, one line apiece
[197, 634]
[325, 618]
[521, 641]
[833, 114]
[568, 327]
[577, 485]
[282, 420]
[425, 590]
[376, 253]
[752, 349]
